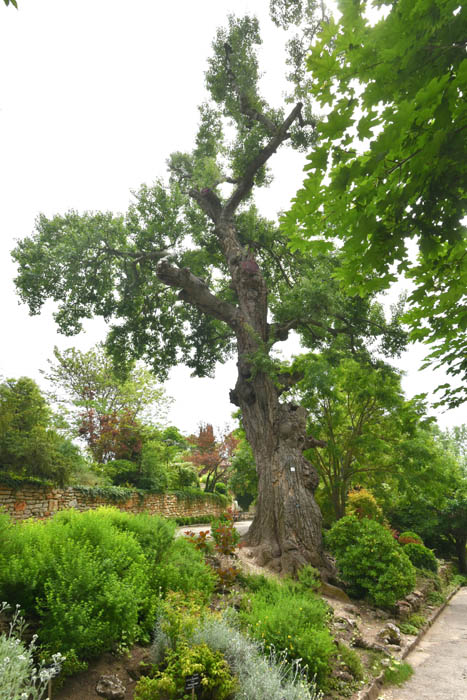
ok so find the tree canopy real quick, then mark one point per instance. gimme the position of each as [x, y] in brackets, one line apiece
[391, 161]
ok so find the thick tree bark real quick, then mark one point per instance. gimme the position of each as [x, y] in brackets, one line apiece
[286, 530]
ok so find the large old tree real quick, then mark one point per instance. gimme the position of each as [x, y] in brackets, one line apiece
[192, 273]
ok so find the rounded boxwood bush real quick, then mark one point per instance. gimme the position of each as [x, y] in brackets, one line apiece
[370, 560]
[421, 556]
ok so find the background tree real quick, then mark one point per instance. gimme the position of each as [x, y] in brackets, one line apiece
[105, 410]
[359, 412]
[29, 443]
[212, 457]
[244, 478]
[391, 161]
[192, 273]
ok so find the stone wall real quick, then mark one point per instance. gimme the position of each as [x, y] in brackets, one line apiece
[38, 502]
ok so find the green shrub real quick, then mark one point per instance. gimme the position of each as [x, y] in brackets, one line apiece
[309, 578]
[220, 487]
[86, 577]
[407, 628]
[409, 536]
[421, 557]
[259, 677]
[370, 560]
[417, 621]
[363, 504]
[349, 658]
[183, 569]
[292, 622]
[217, 682]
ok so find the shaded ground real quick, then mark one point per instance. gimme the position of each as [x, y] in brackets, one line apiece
[82, 686]
[440, 660]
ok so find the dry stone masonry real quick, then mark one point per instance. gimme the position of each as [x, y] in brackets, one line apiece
[37, 502]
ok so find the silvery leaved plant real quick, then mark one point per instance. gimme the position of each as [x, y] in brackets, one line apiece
[259, 677]
[20, 677]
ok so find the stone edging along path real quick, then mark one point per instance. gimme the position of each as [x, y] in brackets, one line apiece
[375, 689]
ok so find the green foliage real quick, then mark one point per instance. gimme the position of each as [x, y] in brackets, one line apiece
[217, 682]
[405, 174]
[397, 673]
[30, 446]
[350, 659]
[407, 628]
[194, 519]
[309, 578]
[409, 536]
[183, 569]
[363, 504]
[357, 408]
[267, 614]
[435, 598]
[370, 560]
[89, 577]
[420, 556]
[102, 407]
[258, 677]
[224, 534]
[417, 620]
[220, 487]
[244, 479]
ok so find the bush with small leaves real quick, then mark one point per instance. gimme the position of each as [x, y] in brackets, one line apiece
[370, 560]
[183, 568]
[89, 578]
[267, 616]
[421, 557]
[363, 504]
[259, 676]
[409, 536]
[216, 680]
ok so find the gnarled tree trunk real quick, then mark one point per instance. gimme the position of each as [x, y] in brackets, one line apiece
[286, 531]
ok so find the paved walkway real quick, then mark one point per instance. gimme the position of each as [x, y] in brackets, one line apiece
[440, 659]
[242, 526]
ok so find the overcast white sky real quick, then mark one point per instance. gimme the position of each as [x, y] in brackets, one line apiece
[94, 95]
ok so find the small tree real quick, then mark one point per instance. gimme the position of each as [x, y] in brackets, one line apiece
[212, 457]
[358, 411]
[105, 410]
[29, 443]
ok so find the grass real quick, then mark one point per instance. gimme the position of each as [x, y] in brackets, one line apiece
[397, 673]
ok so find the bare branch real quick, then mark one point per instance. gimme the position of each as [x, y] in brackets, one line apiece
[195, 291]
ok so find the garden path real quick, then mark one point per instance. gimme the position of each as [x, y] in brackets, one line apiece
[440, 660]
